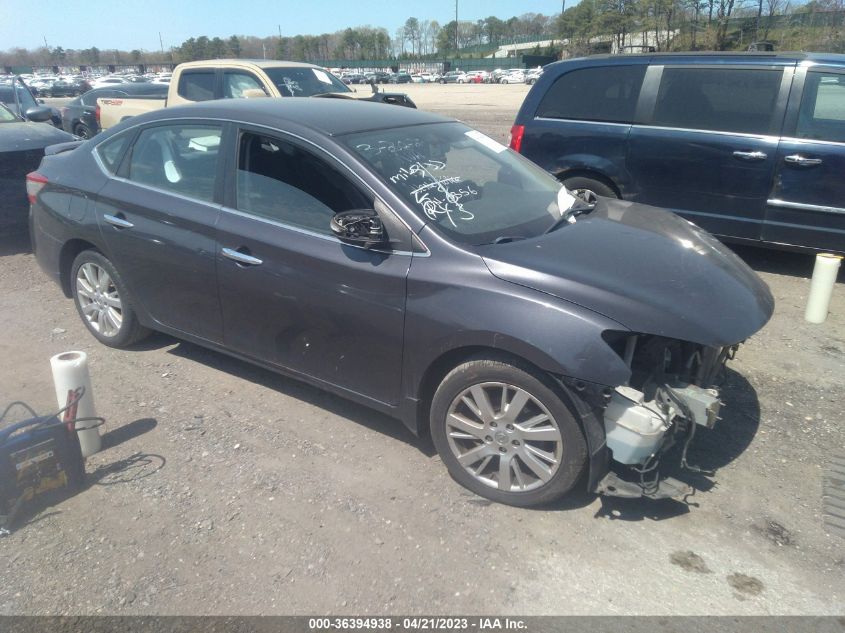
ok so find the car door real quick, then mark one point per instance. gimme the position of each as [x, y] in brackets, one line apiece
[807, 203]
[291, 293]
[705, 141]
[157, 217]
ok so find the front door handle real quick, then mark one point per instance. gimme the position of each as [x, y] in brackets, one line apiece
[802, 161]
[750, 156]
[241, 258]
[118, 221]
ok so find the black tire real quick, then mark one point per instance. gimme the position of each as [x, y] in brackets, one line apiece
[495, 369]
[83, 131]
[443, 81]
[130, 331]
[588, 188]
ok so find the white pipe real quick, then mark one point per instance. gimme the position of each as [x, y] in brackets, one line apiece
[821, 287]
[70, 372]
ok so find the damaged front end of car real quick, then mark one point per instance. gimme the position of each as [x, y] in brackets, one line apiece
[673, 391]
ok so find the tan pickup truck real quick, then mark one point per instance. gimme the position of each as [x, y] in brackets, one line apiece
[236, 79]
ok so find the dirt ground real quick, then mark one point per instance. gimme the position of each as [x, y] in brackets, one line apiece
[226, 489]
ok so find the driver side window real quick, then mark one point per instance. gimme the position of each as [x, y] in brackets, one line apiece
[280, 181]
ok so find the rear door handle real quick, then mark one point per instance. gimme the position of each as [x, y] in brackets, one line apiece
[118, 221]
[241, 258]
[802, 161]
[750, 156]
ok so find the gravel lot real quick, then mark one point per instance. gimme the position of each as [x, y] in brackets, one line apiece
[226, 489]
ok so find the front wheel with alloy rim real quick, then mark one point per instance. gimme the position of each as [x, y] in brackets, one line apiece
[103, 302]
[504, 432]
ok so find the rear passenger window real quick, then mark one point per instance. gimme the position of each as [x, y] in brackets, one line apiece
[822, 113]
[605, 93]
[280, 181]
[196, 86]
[177, 158]
[719, 99]
[111, 150]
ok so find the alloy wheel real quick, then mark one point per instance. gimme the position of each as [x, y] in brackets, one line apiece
[504, 437]
[99, 299]
[586, 195]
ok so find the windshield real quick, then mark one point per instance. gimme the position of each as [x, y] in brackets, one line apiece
[304, 81]
[469, 186]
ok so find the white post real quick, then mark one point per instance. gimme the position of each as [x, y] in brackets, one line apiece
[821, 287]
[70, 372]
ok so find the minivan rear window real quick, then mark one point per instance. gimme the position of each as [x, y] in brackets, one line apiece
[601, 93]
[720, 99]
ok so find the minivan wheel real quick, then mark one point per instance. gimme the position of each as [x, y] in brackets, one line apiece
[103, 302]
[504, 433]
[588, 188]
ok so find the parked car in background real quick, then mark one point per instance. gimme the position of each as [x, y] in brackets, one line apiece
[22, 146]
[453, 77]
[531, 76]
[749, 146]
[417, 78]
[496, 75]
[111, 80]
[79, 116]
[378, 77]
[354, 78]
[426, 77]
[455, 286]
[62, 89]
[513, 76]
[243, 79]
[401, 77]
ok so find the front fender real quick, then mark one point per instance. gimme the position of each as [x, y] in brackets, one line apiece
[554, 335]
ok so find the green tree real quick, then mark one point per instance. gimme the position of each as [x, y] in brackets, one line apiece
[234, 44]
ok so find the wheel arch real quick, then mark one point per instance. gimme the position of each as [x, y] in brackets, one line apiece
[585, 400]
[70, 250]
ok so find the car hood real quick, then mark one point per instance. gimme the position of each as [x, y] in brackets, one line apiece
[22, 136]
[646, 268]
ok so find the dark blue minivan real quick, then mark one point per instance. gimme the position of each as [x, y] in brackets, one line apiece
[749, 146]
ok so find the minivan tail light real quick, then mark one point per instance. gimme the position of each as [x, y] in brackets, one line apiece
[517, 132]
[34, 184]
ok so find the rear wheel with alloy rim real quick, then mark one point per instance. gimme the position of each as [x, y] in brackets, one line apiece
[103, 302]
[83, 131]
[588, 189]
[504, 432]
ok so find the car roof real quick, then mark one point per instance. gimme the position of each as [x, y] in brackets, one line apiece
[261, 63]
[704, 57]
[329, 116]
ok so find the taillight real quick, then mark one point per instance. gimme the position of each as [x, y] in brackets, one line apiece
[517, 132]
[34, 184]
[97, 113]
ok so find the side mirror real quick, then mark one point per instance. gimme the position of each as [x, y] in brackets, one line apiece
[39, 114]
[361, 227]
[41, 101]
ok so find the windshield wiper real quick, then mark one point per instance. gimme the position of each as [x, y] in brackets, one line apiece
[568, 216]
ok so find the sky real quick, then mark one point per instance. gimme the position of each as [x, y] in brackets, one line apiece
[131, 24]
